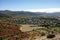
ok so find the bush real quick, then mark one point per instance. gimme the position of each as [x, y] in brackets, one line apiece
[1, 38]
[42, 34]
[50, 36]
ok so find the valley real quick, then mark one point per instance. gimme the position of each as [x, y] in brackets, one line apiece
[23, 25]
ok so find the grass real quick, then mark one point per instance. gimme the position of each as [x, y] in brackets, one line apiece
[57, 29]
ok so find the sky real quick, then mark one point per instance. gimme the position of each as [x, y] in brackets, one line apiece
[31, 5]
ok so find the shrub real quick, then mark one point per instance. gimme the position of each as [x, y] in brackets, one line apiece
[1, 38]
[50, 36]
[42, 34]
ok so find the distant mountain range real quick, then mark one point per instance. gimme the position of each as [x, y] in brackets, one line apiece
[8, 13]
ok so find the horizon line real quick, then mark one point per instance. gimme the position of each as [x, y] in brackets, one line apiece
[48, 10]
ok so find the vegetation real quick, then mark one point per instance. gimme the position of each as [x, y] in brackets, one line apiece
[50, 36]
[42, 23]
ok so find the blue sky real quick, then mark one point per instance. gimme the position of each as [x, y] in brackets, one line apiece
[28, 4]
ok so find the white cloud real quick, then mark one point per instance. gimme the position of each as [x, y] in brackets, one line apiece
[45, 10]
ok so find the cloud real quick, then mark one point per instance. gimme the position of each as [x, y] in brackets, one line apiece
[45, 10]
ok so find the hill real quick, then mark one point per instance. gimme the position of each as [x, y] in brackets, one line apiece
[26, 13]
[23, 25]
